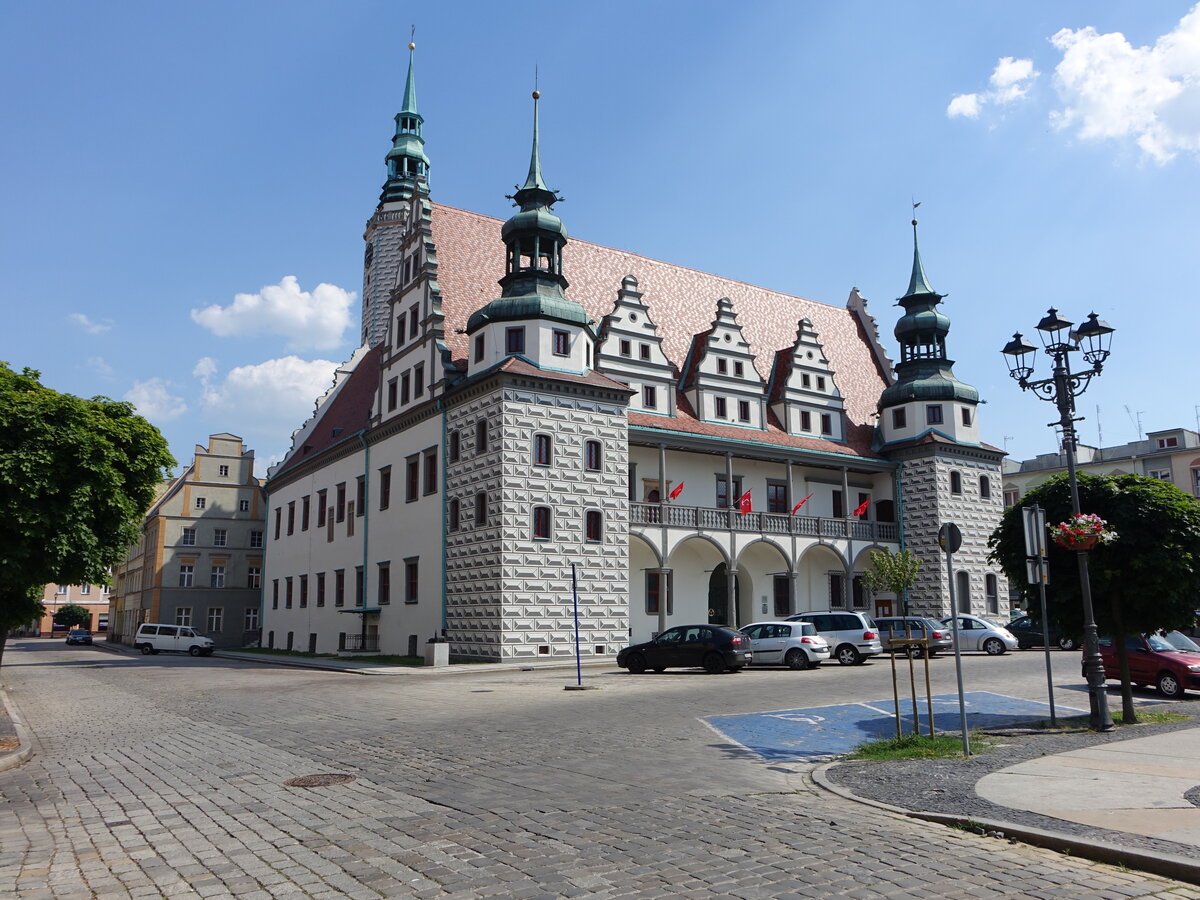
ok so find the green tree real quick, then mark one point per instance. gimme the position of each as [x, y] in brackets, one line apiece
[1148, 578]
[76, 477]
[72, 614]
[893, 572]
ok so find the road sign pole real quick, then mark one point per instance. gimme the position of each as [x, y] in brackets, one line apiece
[1035, 554]
[950, 539]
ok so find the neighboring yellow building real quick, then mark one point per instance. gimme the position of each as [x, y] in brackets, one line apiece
[92, 597]
[1172, 455]
[199, 559]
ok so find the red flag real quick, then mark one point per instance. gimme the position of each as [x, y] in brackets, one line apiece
[675, 491]
[744, 503]
[796, 508]
[862, 507]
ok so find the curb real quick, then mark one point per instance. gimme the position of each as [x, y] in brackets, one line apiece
[1180, 868]
[25, 746]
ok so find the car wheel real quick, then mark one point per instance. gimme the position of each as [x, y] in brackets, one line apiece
[1067, 643]
[848, 656]
[1169, 686]
[660, 669]
[796, 659]
[195, 651]
[714, 664]
[636, 664]
[147, 649]
[994, 647]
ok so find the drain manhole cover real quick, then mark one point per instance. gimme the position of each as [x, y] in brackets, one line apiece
[318, 780]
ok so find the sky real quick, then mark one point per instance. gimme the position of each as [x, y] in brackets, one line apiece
[183, 187]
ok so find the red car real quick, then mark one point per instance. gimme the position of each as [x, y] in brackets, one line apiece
[1155, 659]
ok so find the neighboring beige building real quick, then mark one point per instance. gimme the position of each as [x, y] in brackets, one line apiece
[92, 597]
[1172, 455]
[199, 559]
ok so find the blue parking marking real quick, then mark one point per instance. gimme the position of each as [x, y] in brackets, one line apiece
[824, 731]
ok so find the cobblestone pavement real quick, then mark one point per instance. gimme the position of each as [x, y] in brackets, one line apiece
[163, 777]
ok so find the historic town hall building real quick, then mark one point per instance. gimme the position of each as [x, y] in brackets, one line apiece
[668, 446]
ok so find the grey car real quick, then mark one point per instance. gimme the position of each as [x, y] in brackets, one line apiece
[793, 644]
[975, 633]
[893, 630]
[852, 636]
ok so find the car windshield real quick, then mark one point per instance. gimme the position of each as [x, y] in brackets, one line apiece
[1159, 643]
[994, 624]
[1181, 641]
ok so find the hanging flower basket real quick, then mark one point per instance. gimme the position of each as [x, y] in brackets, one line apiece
[1082, 532]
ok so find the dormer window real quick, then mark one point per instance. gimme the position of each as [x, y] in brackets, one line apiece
[966, 416]
[562, 342]
[478, 348]
[719, 407]
[743, 411]
[739, 370]
[933, 415]
[514, 340]
[899, 418]
[644, 352]
[805, 380]
[826, 424]
[820, 382]
[805, 420]
[1167, 443]
[626, 348]
[413, 319]
[722, 365]
[649, 396]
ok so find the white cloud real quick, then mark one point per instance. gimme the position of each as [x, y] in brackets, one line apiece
[308, 319]
[271, 398]
[154, 400]
[88, 325]
[98, 365]
[1112, 90]
[1010, 81]
[205, 368]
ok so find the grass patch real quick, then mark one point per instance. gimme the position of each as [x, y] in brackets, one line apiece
[275, 651]
[918, 746]
[390, 660]
[1144, 717]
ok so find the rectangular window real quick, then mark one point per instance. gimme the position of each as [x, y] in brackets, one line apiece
[541, 449]
[411, 581]
[626, 348]
[478, 348]
[933, 415]
[243, 506]
[481, 510]
[541, 523]
[216, 577]
[481, 436]
[413, 322]
[562, 343]
[966, 416]
[384, 584]
[339, 587]
[743, 410]
[321, 495]
[303, 591]
[739, 369]
[413, 481]
[719, 407]
[1011, 498]
[805, 380]
[1162, 474]
[777, 497]
[418, 380]
[385, 487]
[839, 507]
[899, 418]
[400, 323]
[320, 589]
[723, 493]
[340, 503]
[405, 387]
[826, 423]
[200, 503]
[391, 394]
[220, 537]
[644, 352]
[454, 512]
[593, 525]
[85, 589]
[183, 616]
[782, 595]
[62, 589]
[654, 582]
[837, 590]
[649, 396]
[514, 340]
[820, 382]
[291, 517]
[254, 577]
[431, 471]
[186, 574]
[805, 420]
[275, 594]
[592, 456]
[216, 619]
[359, 585]
[223, 470]
[287, 593]
[252, 618]
[1167, 443]
[360, 495]
[453, 452]
[305, 509]
[188, 538]
[722, 365]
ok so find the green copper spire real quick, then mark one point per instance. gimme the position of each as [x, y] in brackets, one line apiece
[534, 194]
[407, 163]
[918, 284]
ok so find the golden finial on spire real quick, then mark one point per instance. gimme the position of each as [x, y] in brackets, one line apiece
[412, 38]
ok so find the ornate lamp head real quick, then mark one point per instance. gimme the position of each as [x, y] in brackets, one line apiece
[1018, 353]
[1055, 332]
[1096, 337]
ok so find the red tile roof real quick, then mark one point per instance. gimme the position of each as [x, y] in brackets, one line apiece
[682, 303]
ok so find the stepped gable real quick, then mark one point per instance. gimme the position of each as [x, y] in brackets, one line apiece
[681, 300]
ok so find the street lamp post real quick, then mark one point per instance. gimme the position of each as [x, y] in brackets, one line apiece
[1093, 337]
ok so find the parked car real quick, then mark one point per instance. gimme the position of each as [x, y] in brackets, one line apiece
[793, 644]
[934, 635]
[1154, 660]
[852, 636]
[717, 648]
[1029, 634]
[975, 633]
[1179, 641]
[79, 636]
[153, 637]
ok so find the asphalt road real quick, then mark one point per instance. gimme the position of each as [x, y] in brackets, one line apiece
[164, 776]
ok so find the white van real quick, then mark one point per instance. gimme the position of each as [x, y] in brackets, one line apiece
[152, 637]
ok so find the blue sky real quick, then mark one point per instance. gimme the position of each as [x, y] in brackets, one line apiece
[162, 159]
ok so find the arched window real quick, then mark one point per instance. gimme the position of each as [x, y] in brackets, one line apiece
[962, 591]
[541, 523]
[481, 512]
[541, 450]
[955, 483]
[985, 488]
[991, 593]
[594, 525]
[454, 513]
[592, 456]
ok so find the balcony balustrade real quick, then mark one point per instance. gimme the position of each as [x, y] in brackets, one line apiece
[709, 519]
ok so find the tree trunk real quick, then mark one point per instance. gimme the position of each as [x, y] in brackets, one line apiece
[1128, 716]
[3, 641]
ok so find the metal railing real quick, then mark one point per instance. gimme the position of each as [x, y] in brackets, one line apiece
[707, 518]
[362, 643]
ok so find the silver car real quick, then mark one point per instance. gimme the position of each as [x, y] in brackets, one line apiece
[975, 633]
[793, 644]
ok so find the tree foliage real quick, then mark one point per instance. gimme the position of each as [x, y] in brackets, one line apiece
[76, 477]
[893, 572]
[72, 614]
